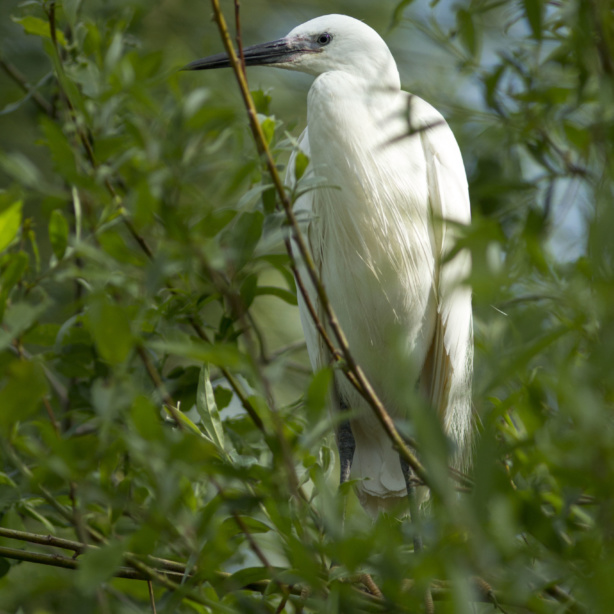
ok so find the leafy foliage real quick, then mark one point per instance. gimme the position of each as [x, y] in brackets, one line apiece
[156, 401]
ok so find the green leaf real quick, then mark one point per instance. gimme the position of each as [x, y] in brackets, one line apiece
[285, 295]
[195, 349]
[207, 408]
[10, 221]
[243, 236]
[114, 52]
[467, 31]
[301, 162]
[146, 419]
[223, 396]
[184, 420]
[268, 129]
[109, 326]
[246, 576]
[15, 268]
[5, 567]
[39, 27]
[216, 221]
[58, 233]
[397, 15]
[97, 565]
[42, 334]
[262, 102]
[71, 9]
[62, 153]
[22, 393]
[19, 317]
[248, 290]
[269, 200]
[318, 392]
[248, 523]
[534, 12]
[21, 168]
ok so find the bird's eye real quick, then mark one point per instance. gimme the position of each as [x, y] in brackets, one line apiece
[324, 38]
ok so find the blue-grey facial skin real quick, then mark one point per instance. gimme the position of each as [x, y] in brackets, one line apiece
[282, 51]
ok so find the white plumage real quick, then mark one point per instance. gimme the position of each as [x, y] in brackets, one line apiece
[379, 239]
[380, 235]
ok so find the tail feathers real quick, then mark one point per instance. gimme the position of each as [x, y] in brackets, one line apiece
[376, 465]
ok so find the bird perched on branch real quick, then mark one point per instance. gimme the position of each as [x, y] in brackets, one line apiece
[381, 233]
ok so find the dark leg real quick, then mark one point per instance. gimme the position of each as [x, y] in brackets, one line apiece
[413, 503]
[347, 445]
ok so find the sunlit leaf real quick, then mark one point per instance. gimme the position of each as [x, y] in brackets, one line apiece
[301, 162]
[268, 129]
[10, 221]
[207, 409]
[39, 27]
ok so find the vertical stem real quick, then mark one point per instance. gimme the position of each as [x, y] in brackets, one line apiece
[239, 37]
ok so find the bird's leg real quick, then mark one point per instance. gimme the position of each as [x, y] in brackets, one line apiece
[346, 445]
[413, 502]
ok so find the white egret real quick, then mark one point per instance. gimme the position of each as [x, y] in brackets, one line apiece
[380, 235]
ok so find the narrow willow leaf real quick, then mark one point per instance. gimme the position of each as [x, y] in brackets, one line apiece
[207, 408]
[77, 207]
[268, 129]
[534, 12]
[285, 295]
[39, 27]
[99, 564]
[397, 16]
[184, 420]
[262, 101]
[217, 354]
[10, 220]
[467, 31]
[109, 325]
[21, 396]
[58, 233]
[301, 162]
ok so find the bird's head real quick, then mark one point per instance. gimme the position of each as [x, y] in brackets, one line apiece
[324, 44]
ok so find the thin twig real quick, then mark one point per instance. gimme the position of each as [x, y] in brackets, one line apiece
[54, 423]
[239, 37]
[152, 599]
[21, 80]
[231, 379]
[159, 384]
[57, 560]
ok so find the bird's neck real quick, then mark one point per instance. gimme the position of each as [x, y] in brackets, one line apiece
[345, 112]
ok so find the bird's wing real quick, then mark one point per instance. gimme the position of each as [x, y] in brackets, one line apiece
[448, 367]
[303, 210]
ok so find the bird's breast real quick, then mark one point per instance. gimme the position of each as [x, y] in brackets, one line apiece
[370, 231]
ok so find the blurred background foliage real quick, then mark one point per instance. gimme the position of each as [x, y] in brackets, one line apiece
[142, 267]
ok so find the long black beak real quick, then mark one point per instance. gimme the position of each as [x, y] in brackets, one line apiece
[281, 51]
